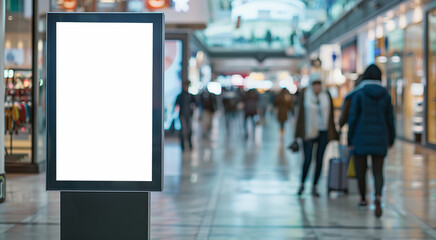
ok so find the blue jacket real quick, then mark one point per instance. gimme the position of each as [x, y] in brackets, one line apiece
[371, 120]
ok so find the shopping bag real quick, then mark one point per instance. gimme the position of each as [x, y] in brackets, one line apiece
[351, 171]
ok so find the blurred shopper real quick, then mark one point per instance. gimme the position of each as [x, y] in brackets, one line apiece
[371, 131]
[268, 37]
[208, 104]
[186, 104]
[284, 104]
[314, 124]
[230, 106]
[264, 103]
[347, 102]
[250, 110]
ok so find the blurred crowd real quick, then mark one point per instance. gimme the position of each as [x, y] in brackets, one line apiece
[241, 109]
[367, 110]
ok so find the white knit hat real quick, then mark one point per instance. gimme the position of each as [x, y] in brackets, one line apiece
[314, 77]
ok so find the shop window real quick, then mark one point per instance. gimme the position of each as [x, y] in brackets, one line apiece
[413, 93]
[431, 83]
[18, 81]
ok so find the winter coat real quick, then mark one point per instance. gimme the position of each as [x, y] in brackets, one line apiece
[284, 104]
[250, 103]
[185, 101]
[300, 126]
[370, 120]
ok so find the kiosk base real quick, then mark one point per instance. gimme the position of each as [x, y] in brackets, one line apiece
[105, 215]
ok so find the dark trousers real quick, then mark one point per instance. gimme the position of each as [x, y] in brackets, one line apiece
[322, 141]
[282, 125]
[186, 132]
[377, 171]
[252, 120]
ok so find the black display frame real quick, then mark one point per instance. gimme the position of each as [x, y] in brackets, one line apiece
[157, 19]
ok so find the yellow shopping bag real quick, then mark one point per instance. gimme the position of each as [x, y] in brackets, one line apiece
[351, 171]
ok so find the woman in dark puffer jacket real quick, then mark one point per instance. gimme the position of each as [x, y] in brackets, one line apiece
[371, 131]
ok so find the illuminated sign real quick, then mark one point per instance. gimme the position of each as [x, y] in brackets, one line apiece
[157, 4]
[181, 5]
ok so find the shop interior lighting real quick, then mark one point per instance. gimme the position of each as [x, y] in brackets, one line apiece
[10, 17]
[20, 44]
[5, 73]
[40, 45]
[250, 83]
[417, 129]
[371, 34]
[8, 44]
[289, 84]
[339, 78]
[237, 80]
[418, 109]
[417, 89]
[379, 31]
[214, 87]
[382, 59]
[390, 25]
[193, 90]
[396, 59]
[402, 21]
[417, 120]
[11, 73]
[200, 57]
[417, 15]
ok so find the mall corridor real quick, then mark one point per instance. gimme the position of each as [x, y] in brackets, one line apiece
[229, 188]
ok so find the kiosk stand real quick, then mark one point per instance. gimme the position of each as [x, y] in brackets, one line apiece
[107, 215]
[104, 169]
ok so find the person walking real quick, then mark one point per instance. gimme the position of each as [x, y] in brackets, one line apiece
[347, 102]
[208, 103]
[230, 107]
[186, 103]
[315, 123]
[250, 110]
[371, 131]
[284, 104]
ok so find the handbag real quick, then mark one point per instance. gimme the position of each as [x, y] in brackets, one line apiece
[351, 171]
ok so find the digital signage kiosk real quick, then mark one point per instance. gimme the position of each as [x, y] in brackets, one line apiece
[104, 102]
[105, 121]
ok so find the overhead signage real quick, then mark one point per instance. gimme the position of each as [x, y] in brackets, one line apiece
[157, 4]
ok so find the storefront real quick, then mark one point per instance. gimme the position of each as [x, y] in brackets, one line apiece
[431, 75]
[395, 42]
[24, 77]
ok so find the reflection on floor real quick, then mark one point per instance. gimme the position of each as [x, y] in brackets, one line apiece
[232, 188]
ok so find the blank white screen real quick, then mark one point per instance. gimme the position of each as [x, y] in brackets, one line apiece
[104, 101]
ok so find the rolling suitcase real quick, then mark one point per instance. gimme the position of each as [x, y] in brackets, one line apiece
[337, 178]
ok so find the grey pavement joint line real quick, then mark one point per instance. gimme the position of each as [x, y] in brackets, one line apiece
[206, 223]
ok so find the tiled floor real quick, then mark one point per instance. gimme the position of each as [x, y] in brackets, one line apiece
[232, 188]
